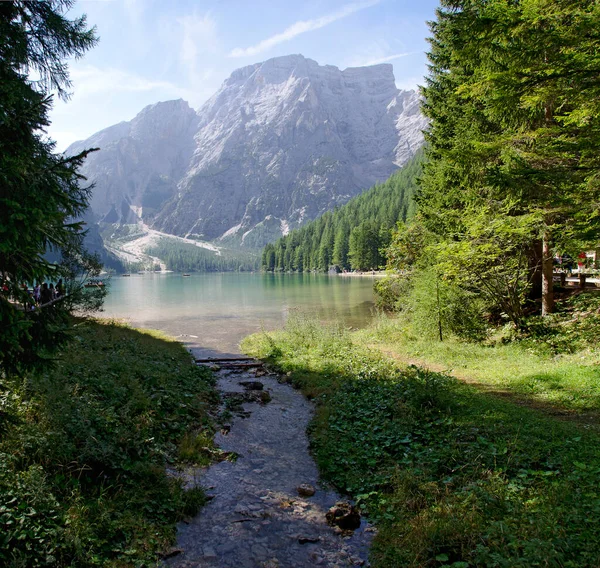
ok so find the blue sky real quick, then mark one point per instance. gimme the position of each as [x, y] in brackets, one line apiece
[157, 50]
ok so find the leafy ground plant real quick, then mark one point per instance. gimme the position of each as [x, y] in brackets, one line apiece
[84, 447]
[453, 476]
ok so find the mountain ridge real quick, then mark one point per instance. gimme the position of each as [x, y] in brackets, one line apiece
[278, 144]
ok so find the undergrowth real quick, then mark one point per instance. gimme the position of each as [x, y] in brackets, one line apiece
[84, 445]
[452, 476]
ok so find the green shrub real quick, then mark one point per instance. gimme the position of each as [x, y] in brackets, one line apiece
[89, 442]
[391, 292]
[434, 302]
[31, 517]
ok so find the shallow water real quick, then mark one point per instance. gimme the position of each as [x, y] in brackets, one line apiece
[257, 518]
[215, 311]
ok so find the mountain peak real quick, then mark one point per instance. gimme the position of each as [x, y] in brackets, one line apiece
[281, 142]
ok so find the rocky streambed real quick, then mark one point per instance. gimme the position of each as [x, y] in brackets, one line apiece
[262, 513]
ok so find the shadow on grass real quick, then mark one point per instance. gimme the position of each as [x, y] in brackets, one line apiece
[452, 475]
[82, 460]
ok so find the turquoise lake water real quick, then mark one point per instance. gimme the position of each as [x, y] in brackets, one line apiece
[214, 311]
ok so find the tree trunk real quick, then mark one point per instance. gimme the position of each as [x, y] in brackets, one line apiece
[547, 273]
[535, 269]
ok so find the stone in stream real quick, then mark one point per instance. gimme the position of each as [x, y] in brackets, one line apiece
[171, 553]
[343, 515]
[308, 539]
[305, 490]
[252, 385]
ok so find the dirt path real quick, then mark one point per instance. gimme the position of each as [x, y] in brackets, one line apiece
[257, 518]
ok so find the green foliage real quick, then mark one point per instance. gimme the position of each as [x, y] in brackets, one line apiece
[352, 236]
[30, 516]
[511, 159]
[364, 246]
[41, 195]
[89, 440]
[391, 292]
[453, 477]
[184, 257]
[408, 247]
[436, 306]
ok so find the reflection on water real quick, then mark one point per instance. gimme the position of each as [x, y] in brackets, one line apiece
[220, 309]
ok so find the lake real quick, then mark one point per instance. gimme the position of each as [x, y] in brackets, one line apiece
[213, 311]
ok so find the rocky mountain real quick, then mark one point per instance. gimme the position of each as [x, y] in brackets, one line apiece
[279, 143]
[139, 163]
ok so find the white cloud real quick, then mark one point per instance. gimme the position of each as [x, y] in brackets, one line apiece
[379, 60]
[302, 27]
[89, 80]
[198, 35]
[190, 47]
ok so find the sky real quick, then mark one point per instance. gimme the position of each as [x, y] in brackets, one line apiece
[159, 50]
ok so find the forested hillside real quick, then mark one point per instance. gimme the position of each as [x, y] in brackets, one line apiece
[182, 257]
[352, 236]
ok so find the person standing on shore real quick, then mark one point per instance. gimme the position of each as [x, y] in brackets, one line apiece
[45, 294]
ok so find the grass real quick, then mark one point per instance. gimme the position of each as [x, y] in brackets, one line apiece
[84, 445]
[452, 475]
[554, 364]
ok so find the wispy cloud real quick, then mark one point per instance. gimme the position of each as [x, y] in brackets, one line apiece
[302, 27]
[198, 48]
[198, 35]
[379, 60]
[104, 96]
[90, 80]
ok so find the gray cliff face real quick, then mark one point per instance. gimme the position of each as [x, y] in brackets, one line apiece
[139, 163]
[280, 143]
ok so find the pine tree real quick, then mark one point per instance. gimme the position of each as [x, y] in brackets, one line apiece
[513, 100]
[40, 192]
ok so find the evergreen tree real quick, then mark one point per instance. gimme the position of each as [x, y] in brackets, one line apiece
[340, 246]
[364, 247]
[40, 193]
[513, 101]
[326, 240]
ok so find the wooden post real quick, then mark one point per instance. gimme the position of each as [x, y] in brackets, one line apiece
[439, 307]
[582, 277]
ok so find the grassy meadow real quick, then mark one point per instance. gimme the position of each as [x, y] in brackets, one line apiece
[463, 454]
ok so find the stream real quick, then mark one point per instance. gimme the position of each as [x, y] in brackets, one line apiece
[256, 517]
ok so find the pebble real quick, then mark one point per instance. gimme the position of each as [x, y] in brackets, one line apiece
[306, 490]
